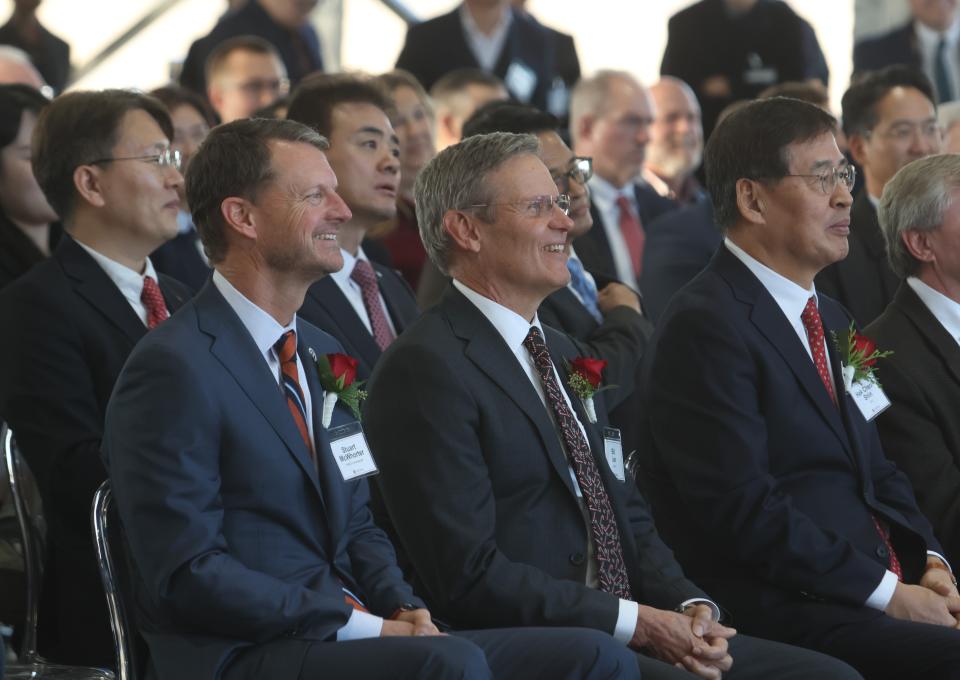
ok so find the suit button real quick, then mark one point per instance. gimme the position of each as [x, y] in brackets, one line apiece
[576, 559]
[882, 552]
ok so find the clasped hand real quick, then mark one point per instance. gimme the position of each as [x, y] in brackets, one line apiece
[692, 640]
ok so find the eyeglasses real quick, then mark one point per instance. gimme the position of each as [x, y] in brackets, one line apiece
[581, 170]
[903, 132]
[168, 158]
[830, 178]
[256, 87]
[536, 206]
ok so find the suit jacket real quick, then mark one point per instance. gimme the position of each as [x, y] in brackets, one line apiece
[498, 539]
[899, 46]
[68, 331]
[593, 248]
[327, 308]
[439, 45]
[679, 245]
[235, 536]
[920, 431]
[863, 281]
[180, 259]
[763, 486]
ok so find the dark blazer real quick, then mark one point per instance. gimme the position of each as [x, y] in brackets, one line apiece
[593, 248]
[679, 245]
[899, 46]
[180, 259]
[327, 308]
[67, 332]
[498, 539]
[921, 431]
[439, 45]
[863, 281]
[235, 536]
[761, 484]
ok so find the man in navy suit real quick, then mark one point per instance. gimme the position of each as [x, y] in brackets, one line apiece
[763, 466]
[364, 305]
[245, 507]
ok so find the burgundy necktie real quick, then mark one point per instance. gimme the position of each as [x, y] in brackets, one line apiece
[152, 300]
[813, 325]
[286, 349]
[612, 570]
[366, 278]
[632, 232]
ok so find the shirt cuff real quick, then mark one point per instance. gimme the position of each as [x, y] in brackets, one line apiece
[361, 625]
[626, 621]
[702, 600]
[934, 553]
[880, 598]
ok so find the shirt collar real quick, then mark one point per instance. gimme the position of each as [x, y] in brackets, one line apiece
[946, 311]
[471, 28]
[127, 280]
[790, 297]
[930, 38]
[342, 277]
[263, 328]
[512, 327]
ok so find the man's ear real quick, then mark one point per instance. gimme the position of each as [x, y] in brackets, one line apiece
[750, 201]
[88, 183]
[857, 144]
[462, 230]
[920, 244]
[584, 128]
[239, 217]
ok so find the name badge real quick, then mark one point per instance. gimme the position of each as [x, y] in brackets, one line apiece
[869, 398]
[521, 80]
[350, 451]
[613, 450]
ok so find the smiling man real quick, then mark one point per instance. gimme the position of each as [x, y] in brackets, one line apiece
[763, 466]
[364, 305]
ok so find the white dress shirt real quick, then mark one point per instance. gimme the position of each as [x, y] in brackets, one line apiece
[604, 196]
[944, 310]
[265, 331]
[928, 40]
[127, 280]
[486, 48]
[354, 294]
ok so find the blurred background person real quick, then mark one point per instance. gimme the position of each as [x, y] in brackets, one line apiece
[949, 117]
[457, 95]
[676, 142]
[48, 53]
[244, 75]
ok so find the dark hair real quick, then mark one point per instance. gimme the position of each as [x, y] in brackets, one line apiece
[752, 143]
[235, 160]
[812, 93]
[500, 116]
[14, 100]
[273, 110]
[458, 79]
[240, 43]
[80, 127]
[174, 96]
[859, 103]
[398, 77]
[319, 94]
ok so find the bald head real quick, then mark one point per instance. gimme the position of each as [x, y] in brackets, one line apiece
[676, 136]
[16, 67]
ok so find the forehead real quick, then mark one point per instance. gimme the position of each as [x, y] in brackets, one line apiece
[138, 129]
[903, 102]
[670, 97]
[804, 156]
[240, 63]
[405, 97]
[299, 164]
[554, 152]
[185, 114]
[519, 177]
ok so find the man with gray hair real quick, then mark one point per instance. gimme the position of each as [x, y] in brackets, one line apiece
[920, 218]
[531, 517]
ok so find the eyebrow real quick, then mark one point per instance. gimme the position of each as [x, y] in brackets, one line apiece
[370, 130]
[820, 165]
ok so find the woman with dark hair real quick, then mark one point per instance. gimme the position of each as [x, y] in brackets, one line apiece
[183, 258]
[27, 222]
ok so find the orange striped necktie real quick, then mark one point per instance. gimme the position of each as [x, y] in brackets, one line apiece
[286, 349]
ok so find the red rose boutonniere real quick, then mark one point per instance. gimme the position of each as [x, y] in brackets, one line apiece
[338, 377]
[585, 375]
[858, 356]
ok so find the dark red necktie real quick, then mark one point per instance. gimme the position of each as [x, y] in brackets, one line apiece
[152, 300]
[632, 232]
[612, 570]
[366, 278]
[813, 325]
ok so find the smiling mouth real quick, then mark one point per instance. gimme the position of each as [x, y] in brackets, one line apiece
[556, 248]
[326, 236]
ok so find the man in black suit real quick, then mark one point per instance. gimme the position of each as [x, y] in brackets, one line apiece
[364, 305]
[104, 162]
[764, 470]
[610, 117]
[927, 42]
[920, 431]
[890, 119]
[495, 37]
[532, 519]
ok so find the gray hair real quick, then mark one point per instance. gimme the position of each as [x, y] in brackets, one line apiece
[590, 96]
[456, 179]
[916, 199]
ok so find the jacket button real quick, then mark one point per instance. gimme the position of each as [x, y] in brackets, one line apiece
[882, 552]
[576, 559]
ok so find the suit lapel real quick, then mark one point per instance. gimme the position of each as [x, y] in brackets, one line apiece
[328, 295]
[391, 297]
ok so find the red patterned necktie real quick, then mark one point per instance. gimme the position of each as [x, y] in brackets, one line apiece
[152, 300]
[612, 570]
[632, 232]
[366, 278]
[286, 349]
[813, 325]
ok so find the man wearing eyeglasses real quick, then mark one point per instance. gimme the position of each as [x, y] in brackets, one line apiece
[764, 466]
[529, 517]
[890, 119]
[104, 162]
[244, 74]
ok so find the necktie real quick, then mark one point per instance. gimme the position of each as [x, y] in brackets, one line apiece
[584, 287]
[366, 278]
[603, 525]
[632, 232]
[152, 300]
[941, 73]
[286, 349]
[813, 325]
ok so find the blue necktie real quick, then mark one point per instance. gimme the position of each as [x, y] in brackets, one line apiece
[941, 74]
[584, 287]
